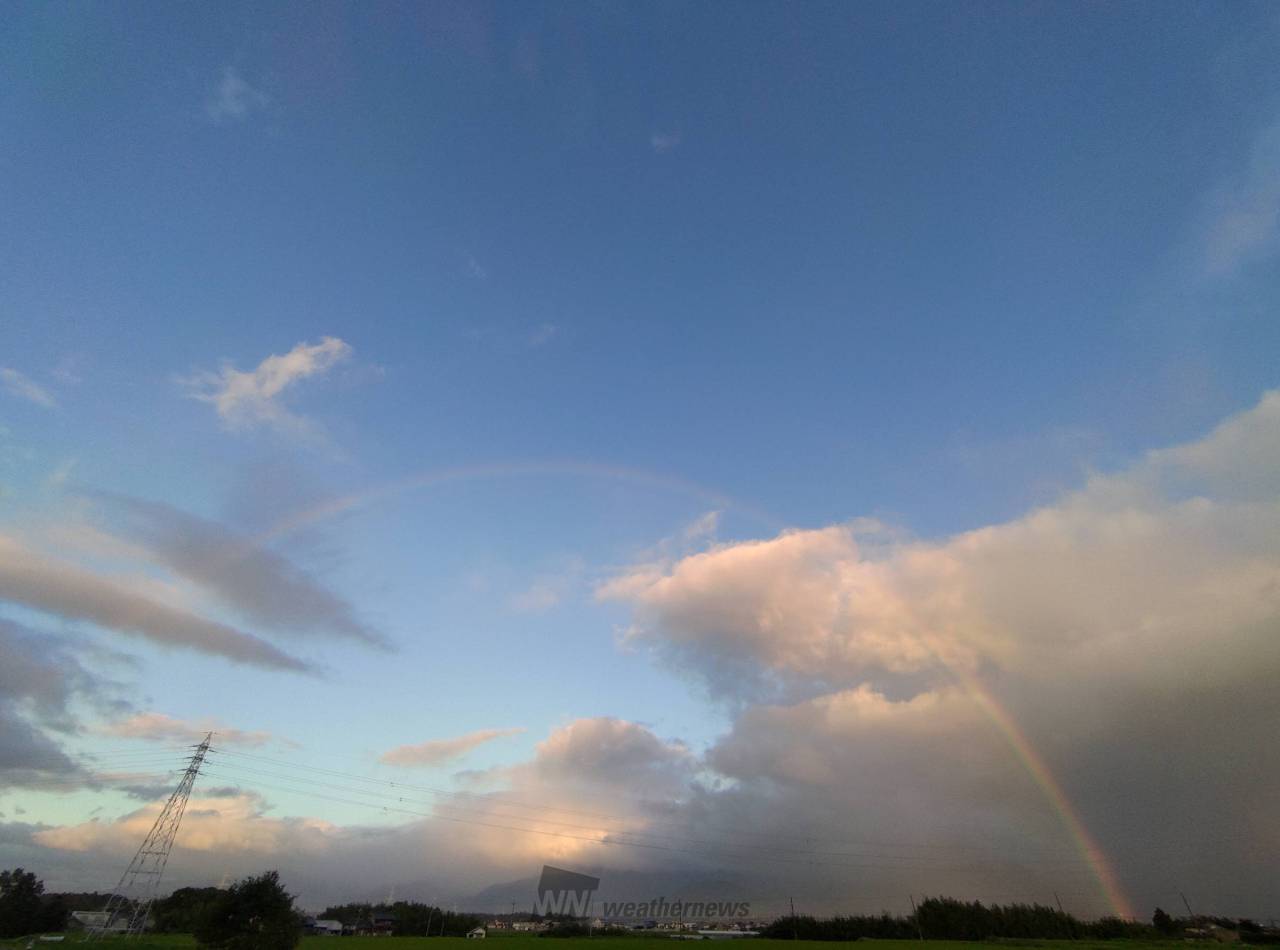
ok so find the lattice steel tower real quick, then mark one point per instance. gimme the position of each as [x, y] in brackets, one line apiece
[127, 909]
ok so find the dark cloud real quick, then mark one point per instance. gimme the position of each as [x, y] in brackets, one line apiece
[54, 586]
[39, 678]
[259, 584]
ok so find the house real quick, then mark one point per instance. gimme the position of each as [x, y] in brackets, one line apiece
[477, 934]
[326, 928]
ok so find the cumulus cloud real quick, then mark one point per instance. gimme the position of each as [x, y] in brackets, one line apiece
[439, 751]
[248, 400]
[1127, 631]
[899, 708]
[233, 99]
[17, 384]
[160, 727]
[35, 580]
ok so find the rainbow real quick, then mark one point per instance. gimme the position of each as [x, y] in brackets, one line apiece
[1026, 754]
[1036, 767]
[441, 476]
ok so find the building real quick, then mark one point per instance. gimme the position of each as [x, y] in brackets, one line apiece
[477, 934]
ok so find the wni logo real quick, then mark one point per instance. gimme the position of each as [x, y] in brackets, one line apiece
[564, 892]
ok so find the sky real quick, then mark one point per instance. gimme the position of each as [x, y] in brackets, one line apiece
[768, 450]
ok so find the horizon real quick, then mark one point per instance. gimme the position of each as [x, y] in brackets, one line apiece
[818, 449]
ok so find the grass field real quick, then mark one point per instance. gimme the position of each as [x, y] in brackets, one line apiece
[638, 942]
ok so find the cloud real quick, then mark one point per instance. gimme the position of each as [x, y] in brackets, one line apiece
[258, 583]
[155, 726]
[19, 385]
[896, 709]
[439, 751]
[1191, 529]
[543, 334]
[662, 142]
[54, 586]
[41, 679]
[550, 590]
[1126, 634]
[1245, 213]
[233, 99]
[248, 400]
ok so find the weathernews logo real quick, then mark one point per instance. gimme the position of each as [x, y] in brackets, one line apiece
[568, 893]
[564, 892]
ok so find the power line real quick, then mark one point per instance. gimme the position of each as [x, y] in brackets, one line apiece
[130, 902]
[814, 858]
[581, 813]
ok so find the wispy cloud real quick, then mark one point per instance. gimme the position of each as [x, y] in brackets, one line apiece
[543, 334]
[17, 384]
[662, 142]
[159, 727]
[53, 586]
[262, 586]
[1245, 221]
[551, 589]
[439, 751]
[232, 99]
[248, 400]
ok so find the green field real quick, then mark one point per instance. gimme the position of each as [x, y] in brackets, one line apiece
[638, 942]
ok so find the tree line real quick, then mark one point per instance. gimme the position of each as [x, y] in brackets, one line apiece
[945, 918]
[408, 918]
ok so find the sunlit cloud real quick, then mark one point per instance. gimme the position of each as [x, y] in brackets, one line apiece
[251, 399]
[159, 727]
[439, 751]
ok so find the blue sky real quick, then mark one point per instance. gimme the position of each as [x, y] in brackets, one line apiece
[560, 282]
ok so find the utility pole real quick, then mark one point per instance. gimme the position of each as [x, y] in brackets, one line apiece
[1059, 900]
[916, 914]
[1185, 904]
[795, 934]
[130, 902]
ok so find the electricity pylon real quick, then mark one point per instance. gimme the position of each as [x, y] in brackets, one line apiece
[127, 909]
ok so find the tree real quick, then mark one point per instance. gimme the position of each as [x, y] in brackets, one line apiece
[253, 914]
[1163, 922]
[184, 909]
[20, 903]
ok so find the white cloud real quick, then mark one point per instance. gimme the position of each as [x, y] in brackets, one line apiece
[543, 334]
[246, 400]
[1126, 635]
[1245, 220]
[439, 751]
[662, 142]
[550, 590]
[19, 385]
[233, 99]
